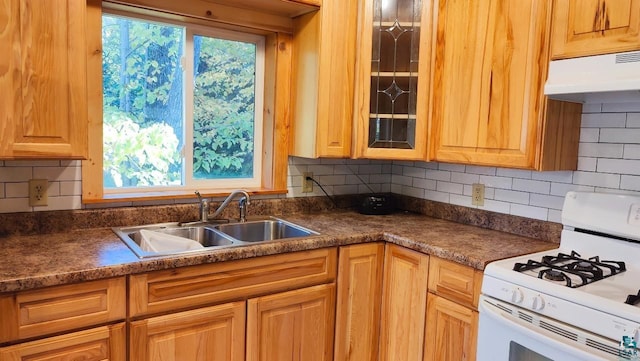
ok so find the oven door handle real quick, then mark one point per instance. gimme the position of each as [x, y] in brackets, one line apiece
[577, 350]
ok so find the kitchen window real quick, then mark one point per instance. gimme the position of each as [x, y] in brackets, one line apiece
[182, 106]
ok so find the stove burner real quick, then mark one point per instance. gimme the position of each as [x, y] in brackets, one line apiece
[554, 275]
[572, 269]
[633, 299]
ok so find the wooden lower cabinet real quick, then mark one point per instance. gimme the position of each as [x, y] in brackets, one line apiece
[451, 331]
[404, 303]
[213, 333]
[359, 292]
[106, 343]
[292, 326]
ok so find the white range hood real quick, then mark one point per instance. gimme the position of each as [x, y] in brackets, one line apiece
[609, 78]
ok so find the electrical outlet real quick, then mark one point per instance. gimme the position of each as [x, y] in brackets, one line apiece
[38, 192]
[477, 194]
[307, 184]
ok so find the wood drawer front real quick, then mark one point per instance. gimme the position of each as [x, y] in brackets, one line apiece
[454, 281]
[181, 288]
[61, 308]
[105, 343]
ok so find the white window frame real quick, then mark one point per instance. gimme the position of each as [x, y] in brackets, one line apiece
[189, 183]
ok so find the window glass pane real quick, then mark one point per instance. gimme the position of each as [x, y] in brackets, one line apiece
[143, 103]
[223, 108]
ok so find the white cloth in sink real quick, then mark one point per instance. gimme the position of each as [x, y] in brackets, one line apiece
[162, 242]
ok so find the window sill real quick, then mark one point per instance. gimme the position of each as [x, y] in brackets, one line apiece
[173, 195]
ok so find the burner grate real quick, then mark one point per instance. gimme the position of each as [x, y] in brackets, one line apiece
[571, 269]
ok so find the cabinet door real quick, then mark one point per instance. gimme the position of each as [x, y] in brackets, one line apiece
[43, 68]
[358, 302]
[592, 27]
[404, 303]
[451, 331]
[492, 61]
[105, 343]
[207, 334]
[392, 79]
[292, 326]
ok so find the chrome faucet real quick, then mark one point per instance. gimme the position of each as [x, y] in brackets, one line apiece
[244, 202]
[204, 208]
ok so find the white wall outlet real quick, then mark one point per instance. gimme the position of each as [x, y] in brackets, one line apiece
[38, 192]
[307, 184]
[477, 194]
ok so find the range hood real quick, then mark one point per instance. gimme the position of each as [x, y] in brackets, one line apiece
[609, 78]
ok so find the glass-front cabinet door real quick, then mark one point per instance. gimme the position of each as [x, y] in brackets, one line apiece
[392, 79]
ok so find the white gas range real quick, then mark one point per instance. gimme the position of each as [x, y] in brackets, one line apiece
[578, 302]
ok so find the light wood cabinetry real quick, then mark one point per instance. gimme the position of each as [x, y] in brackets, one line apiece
[324, 55]
[452, 316]
[292, 326]
[43, 77]
[491, 62]
[57, 309]
[359, 293]
[404, 302]
[213, 333]
[593, 27]
[106, 343]
[393, 73]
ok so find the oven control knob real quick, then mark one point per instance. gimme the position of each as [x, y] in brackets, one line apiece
[517, 296]
[537, 303]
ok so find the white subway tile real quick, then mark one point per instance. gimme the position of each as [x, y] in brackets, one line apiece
[589, 135]
[631, 151]
[17, 190]
[396, 188]
[557, 176]
[414, 172]
[57, 173]
[619, 166]
[514, 173]
[53, 189]
[621, 107]
[386, 168]
[480, 170]
[497, 182]
[353, 179]
[615, 191]
[63, 203]
[596, 179]
[320, 169]
[602, 120]
[592, 108]
[489, 193]
[587, 164]
[426, 165]
[370, 169]
[437, 196]
[413, 192]
[71, 163]
[449, 187]
[404, 162]
[383, 188]
[529, 211]
[345, 189]
[2, 192]
[380, 178]
[561, 189]
[633, 120]
[545, 201]
[440, 175]
[531, 186]
[555, 216]
[630, 182]
[424, 183]
[496, 206]
[452, 167]
[402, 180]
[331, 161]
[344, 169]
[601, 150]
[511, 196]
[14, 205]
[16, 174]
[295, 181]
[331, 180]
[465, 178]
[297, 169]
[397, 169]
[460, 200]
[611, 135]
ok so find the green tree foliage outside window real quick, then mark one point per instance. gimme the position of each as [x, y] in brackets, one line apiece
[144, 112]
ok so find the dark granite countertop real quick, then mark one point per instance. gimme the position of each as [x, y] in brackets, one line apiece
[34, 261]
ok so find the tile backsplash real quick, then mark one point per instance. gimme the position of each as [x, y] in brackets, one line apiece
[609, 161]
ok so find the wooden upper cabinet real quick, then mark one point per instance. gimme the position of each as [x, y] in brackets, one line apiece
[43, 76]
[592, 27]
[392, 79]
[324, 56]
[488, 105]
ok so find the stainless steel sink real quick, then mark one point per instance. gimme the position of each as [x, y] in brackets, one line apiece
[264, 230]
[212, 236]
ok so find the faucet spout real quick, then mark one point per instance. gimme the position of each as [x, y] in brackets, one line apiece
[244, 202]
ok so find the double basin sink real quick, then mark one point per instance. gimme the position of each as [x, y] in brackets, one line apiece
[206, 236]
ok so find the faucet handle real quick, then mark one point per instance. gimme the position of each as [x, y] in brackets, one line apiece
[199, 196]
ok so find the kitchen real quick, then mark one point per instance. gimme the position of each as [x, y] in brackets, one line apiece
[606, 162]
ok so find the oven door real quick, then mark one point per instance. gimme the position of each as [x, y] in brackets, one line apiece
[510, 333]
